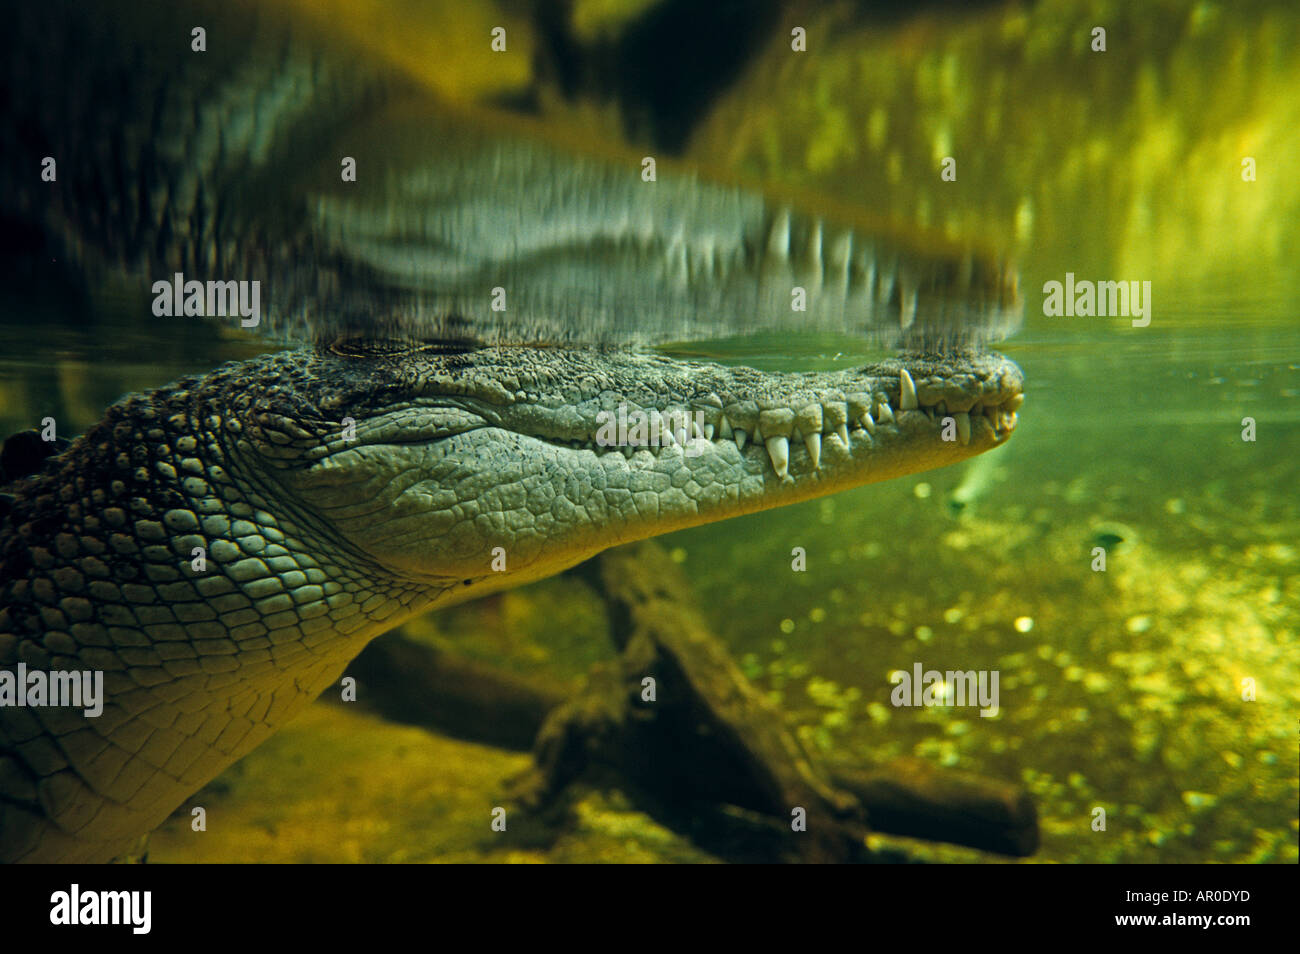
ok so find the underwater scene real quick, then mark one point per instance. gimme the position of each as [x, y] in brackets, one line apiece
[988, 553]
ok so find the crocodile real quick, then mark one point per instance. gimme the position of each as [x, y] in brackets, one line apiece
[222, 547]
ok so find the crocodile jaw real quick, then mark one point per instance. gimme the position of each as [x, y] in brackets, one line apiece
[515, 484]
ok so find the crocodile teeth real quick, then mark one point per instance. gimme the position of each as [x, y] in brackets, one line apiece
[907, 401]
[778, 448]
[814, 444]
[869, 422]
[1015, 402]
[740, 437]
[843, 432]
[708, 432]
[724, 427]
[810, 419]
[963, 427]
[884, 414]
[778, 422]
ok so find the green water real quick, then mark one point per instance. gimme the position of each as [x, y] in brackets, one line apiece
[1121, 689]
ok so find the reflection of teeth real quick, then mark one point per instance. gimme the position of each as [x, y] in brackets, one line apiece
[778, 448]
[778, 240]
[907, 306]
[907, 387]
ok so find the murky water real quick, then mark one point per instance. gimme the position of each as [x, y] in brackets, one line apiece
[1122, 689]
[1162, 689]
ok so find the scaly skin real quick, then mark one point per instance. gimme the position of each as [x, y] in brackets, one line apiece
[316, 543]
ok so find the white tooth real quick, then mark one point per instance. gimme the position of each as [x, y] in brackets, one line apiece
[1016, 401]
[814, 444]
[869, 422]
[858, 404]
[907, 402]
[708, 432]
[778, 448]
[884, 414]
[741, 437]
[694, 430]
[724, 427]
[835, 416]
[963, 427]
[810, 421]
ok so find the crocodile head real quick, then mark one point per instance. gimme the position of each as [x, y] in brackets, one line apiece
[475, 471]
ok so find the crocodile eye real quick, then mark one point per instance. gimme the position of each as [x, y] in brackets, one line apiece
[360, 346]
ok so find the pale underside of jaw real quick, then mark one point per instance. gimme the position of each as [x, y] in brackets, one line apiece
[870, 416]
